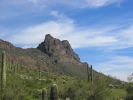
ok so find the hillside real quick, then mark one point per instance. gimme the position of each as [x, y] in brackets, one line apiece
[27, 84]
[52, 55]
[53, 62]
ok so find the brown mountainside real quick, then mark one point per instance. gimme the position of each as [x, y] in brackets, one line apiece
[52, 55]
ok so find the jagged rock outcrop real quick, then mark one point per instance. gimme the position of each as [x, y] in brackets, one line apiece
[61, 51]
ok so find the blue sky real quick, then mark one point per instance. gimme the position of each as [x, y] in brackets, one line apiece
[99, 31]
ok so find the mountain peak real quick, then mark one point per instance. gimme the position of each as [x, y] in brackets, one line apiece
[48, 36]
[61, 51]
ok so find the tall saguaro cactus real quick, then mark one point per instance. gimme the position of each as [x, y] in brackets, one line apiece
[88, 74]
[39, 72]
[54, 92]
[91, 72]
[9, 67]
[12, 67]
[39, 68]
[3, 71]
[44, 94]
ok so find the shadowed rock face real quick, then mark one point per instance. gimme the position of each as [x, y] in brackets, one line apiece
[61, 51]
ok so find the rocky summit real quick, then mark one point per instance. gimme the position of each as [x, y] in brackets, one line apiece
[60, 51]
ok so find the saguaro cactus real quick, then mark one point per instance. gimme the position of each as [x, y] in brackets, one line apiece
[17, 67]
[9, 67]
[3, 71]
[39, 69]
[91, 72]
[88, 73]
[39, 72]
[54, 92]
[12, 66]
[44, 94]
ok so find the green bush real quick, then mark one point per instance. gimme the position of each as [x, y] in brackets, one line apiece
[129, 92]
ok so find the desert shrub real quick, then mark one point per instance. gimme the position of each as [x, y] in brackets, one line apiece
[70, 93]
[129, 92]
[98, 90]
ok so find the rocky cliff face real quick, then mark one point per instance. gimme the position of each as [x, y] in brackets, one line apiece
[61, 51]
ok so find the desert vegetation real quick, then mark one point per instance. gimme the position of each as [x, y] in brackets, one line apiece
[19, 82]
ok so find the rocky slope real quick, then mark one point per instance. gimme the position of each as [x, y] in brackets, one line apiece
[52, 55]
[61, 51]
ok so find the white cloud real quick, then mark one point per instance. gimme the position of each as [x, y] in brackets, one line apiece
[80, 38]
[128, 34]
[35, 34]
[72, 3]
[119, 66]
[120, 75]
[100, 3]
[17, 8]
[116, 62]
[61, 17]
[34, 1]
[85, 3]
[64, 28]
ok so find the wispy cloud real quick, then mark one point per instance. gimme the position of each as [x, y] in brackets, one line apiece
[61, 17]
[17, 8]
[100, 3]
[120, 66]
[73, 3]
[34, 1]
[84, 3]
[65, 28]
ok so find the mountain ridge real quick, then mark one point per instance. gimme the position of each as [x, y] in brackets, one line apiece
[52, 55]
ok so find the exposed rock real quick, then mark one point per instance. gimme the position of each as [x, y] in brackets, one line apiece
[61, 51]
